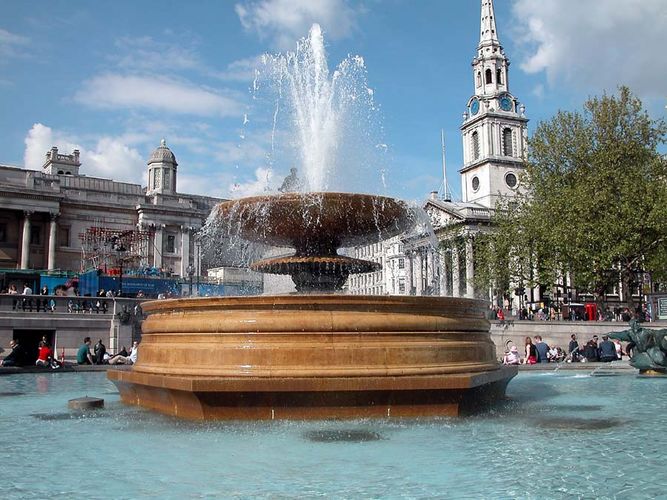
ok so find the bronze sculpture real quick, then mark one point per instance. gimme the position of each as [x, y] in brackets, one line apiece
[649, 346]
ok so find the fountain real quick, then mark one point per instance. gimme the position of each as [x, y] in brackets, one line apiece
[318, 353]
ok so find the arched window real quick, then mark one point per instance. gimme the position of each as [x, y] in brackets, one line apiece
[489, 76]
[475, 145]
[499, 76]
[508, 149]
[479, 78]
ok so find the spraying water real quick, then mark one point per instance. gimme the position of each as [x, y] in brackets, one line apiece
[324, 122]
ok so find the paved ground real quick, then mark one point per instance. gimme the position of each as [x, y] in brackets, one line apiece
[615, 366]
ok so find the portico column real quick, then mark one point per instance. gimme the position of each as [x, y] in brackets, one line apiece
[157, 246]
[456, 286]
[470, 270]
[419, 276]
[444, 273]
[51, 265]
[185, 250]
[408, 273]
[25, 242]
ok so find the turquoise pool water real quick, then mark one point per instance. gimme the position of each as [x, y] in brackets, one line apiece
[562, 435]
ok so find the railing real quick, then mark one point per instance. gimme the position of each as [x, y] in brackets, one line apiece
[67, 304]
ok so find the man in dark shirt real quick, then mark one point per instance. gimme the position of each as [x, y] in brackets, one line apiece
[573, 346]
[16, 357]
[607, 350]
[542, 349]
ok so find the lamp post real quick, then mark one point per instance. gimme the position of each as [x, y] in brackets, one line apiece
[117, 245]
[190, 270]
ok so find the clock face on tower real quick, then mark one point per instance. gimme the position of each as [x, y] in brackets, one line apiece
[474, 106]
[506, 103]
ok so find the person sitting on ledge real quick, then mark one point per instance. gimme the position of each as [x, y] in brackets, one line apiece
[45, 354]
[531, 353]
[16, 357]
[512, 357]
[83, 356]
[99, 350]
[607, 350]
[120, 359]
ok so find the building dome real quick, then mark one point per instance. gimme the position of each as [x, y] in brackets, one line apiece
[162, 154]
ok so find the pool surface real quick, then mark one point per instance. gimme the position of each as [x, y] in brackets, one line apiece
[562, 435]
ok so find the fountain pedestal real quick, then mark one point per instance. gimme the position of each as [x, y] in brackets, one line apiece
[314, 356]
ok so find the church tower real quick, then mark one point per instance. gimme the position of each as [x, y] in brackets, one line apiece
[162, 171]
[494, 128]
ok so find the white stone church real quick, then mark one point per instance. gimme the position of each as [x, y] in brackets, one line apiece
[494, 133]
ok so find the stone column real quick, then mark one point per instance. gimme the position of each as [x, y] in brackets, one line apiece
[52, 242]
[25, 242]
[444, 273]
[158, 246]
[419, 275]
[185, 250]
[408, 273]
[456, 286]
[470, 270]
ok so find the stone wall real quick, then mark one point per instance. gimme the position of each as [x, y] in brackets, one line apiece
[555, 333]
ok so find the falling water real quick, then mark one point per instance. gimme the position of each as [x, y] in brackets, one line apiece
[325, 123]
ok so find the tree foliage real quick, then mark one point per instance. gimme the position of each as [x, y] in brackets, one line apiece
[594, 202]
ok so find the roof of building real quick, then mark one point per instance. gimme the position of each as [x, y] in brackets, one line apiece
[162, 154]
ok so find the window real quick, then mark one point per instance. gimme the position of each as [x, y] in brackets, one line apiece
[3, 232]
[156, 179]
[479, 78]
[475, 183]
[511, 180]
[401, 286]
[35, 235]
[171, 243]
[508, 149]
[499, 76]
[63, 236]
[489, 76]
[401, 263]
[167, 179]
[475, 145]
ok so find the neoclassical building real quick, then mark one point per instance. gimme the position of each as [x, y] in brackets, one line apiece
[60, 219]
[494, 134]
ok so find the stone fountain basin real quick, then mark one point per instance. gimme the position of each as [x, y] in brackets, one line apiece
[315, 221]
[314, 356]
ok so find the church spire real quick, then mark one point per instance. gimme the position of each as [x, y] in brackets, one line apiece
[488, 33]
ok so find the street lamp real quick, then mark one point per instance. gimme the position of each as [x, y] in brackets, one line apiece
[117, 245]
[190, 270]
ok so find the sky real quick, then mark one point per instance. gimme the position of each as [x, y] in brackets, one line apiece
[113, 78]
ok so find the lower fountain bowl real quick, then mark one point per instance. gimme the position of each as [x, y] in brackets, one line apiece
[314, 356]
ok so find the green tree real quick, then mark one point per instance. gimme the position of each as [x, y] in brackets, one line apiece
[594, 202]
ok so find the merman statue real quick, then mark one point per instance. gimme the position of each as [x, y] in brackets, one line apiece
[649, 347]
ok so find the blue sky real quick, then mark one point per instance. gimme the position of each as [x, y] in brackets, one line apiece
[113, 78]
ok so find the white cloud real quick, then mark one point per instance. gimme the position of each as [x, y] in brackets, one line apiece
[258, 185]
[155, 93]
[242, 70]
[285, 21]
[595, 44]
[108, 157]
[147, 54]
[11, 44]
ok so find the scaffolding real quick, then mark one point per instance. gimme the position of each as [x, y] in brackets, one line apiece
[105, 248]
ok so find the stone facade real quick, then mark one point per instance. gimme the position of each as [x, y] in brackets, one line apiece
[44, 215]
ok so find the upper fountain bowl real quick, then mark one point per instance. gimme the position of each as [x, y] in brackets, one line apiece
[316, 223]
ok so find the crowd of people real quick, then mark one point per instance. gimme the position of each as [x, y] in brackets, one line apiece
[100, 356]
[539, 312]
[19, 356]
[536, 350]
